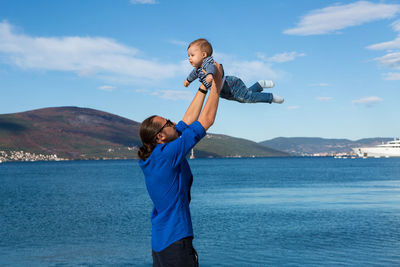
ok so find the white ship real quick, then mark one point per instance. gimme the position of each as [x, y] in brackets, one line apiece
[389, 149]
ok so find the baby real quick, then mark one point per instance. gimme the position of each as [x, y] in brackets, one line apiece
[200, 57]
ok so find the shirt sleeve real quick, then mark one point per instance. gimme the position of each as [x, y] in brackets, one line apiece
[180, 147]
[180, 127]
[192, 76]
[210, 68]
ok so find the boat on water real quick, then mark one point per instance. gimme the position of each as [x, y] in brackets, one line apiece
[387, 150]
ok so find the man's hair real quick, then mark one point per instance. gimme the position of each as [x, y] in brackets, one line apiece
[204, 45]
[148, 130]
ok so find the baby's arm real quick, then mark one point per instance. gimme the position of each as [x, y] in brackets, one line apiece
[192, 76]
[209, 69]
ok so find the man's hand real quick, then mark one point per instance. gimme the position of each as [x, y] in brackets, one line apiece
[186, 83]
[209, 78]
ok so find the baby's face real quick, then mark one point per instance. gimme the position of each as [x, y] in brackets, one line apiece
[195, 55]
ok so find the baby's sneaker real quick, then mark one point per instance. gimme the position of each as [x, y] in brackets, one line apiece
[266, 83]
[277, 99]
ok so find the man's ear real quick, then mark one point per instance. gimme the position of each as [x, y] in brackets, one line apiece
[160, 138]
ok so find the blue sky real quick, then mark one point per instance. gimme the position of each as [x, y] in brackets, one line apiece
[337, 64]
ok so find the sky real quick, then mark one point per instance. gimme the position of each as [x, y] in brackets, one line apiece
[336, 63]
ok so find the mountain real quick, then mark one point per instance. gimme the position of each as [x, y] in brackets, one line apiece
[314, 145]
[82, 133]
[217, 145]
[69, 132]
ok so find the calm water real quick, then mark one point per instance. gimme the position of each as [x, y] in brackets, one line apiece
[246, 212]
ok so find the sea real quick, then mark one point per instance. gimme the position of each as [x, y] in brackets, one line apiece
[245, 211]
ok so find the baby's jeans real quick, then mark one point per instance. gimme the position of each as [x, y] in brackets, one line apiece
[235, 89]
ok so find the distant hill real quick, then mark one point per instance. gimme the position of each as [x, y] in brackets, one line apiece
[82, 133]
[71, 132]
[226, 146]
[312, 145]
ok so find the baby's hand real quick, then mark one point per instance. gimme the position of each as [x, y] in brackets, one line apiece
[209, 78]
[186, 83]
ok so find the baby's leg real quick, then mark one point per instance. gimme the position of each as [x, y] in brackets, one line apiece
[255, 97]
[257, 88]
[260, 85]
[242, 94]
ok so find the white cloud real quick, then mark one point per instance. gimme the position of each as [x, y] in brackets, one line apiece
[391, 60]
[282, 57]
[338, 17]
[86, 56]
[386, 45]
[293, 107]
[251, 70]
[368, 101]
[392, 57]
[396, 26]
[141, 90]
[247, 70]
[324, 98]
[392, 76]
[180, 43]
[107, 88]
[109, 60]
[174, 94]
[389, 44]
[143, 2]
[320, 84]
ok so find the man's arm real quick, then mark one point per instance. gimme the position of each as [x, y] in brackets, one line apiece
[193, 111]
[207, 116]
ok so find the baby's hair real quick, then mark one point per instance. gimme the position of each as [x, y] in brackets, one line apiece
[204, 45]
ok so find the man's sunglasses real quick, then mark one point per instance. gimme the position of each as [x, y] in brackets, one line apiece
[168, 123]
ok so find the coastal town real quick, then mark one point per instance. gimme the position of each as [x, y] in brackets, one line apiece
[24, 156]
[19, 156]
[389, 149]
[27, 156]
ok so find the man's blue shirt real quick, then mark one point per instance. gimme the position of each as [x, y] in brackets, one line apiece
[168, 181]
